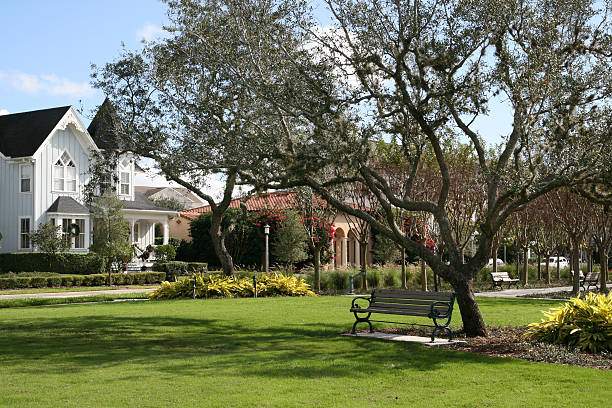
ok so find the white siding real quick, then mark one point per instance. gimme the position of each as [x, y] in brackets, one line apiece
[61, 140]
[13, 204]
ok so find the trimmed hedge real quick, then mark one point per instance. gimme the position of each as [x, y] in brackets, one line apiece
[138, 278]
[174, 269]
[68, 263]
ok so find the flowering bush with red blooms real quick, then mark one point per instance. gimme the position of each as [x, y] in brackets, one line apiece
[273, 218]
[417, 231]
[322, 231]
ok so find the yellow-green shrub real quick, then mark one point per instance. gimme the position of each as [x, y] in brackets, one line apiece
[583, 323]
[223, 286]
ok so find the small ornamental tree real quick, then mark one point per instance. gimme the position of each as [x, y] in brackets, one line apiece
[289, 244]
[318, 222]
[49, 239]
[111, 232]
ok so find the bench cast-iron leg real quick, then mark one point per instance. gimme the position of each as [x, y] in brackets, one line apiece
[365, 320]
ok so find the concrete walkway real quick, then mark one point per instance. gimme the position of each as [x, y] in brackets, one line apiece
[75, 294]
[512, 293]
[401, 337]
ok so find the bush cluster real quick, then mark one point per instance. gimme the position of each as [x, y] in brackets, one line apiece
[174, 269]
[222, 286]
[69, 263]
[585, 323]
[13, 281]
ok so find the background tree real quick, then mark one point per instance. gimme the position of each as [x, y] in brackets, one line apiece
[49, 239]
[169, 203]
[572, 212]
[111, 233]
[601, 232]
[289, 244]
[178, 102]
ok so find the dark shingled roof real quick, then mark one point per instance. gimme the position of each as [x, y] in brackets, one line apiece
[67, 205]
[141, 202]
[21, 134]
[101, 127]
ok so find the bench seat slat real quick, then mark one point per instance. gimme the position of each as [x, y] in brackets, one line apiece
[399, 301]
[441, 309]
[424, 313]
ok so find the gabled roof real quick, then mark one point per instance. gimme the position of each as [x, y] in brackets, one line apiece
[67, 205]
[21, 134]
[143, 203]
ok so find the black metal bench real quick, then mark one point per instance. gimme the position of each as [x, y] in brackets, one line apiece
[499, 278]
[591, 278]
[435, 305]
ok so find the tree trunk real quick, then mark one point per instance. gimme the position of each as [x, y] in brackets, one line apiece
[603, 263]
[558, 267]
[590, 259]
[216, 235]
[525, 266]
[539, 267]
[575, 268]
[423, 276]
[363, 247]
[404, 268]
[548, 269]
[473, 324]
[317, 269]
[494, 253]
[518, 263]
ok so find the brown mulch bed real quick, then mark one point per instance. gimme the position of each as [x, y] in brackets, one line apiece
[509, 342]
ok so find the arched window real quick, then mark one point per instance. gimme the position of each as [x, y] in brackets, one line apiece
[64, 174]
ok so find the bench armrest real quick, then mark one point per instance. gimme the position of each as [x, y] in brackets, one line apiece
[436, 314]
[355, 305]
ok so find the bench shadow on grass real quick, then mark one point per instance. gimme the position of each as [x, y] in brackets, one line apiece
[186, 346]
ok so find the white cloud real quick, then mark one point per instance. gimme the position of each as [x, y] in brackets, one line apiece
[148, 31]
[48, 83]
[4, 112]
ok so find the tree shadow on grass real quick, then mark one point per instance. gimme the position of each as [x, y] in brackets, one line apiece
[189, 346]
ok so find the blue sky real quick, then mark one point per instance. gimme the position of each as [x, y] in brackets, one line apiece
[48, 47]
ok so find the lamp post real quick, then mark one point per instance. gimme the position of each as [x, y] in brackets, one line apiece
[267, 233]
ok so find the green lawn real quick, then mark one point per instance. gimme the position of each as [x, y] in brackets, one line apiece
[281, 352]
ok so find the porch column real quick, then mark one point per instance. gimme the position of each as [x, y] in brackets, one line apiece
[357, 254]
[132, 222]
[166, 231]
[344, 251]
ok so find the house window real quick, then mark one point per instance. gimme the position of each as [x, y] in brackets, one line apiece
[69, 226]
[124, 188]
[25, 178]
[64, 174]
[24, 233]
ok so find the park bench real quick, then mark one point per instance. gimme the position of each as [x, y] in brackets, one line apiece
[499, 278]
[434, 305]
[591, 278]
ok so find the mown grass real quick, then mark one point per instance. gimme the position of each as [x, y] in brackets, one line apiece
[72, 289]
[8, 303]
[275, 352]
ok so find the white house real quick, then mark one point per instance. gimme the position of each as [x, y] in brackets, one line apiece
[44, 164]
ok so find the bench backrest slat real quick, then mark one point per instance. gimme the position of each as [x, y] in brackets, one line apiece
[592, 276]
[404, 294]
[500, 275]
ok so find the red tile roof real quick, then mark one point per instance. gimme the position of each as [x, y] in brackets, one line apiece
[279, 200]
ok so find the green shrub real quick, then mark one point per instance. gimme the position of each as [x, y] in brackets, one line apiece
[165, 252]
[373, 277]
[391, 278]
[54, 281]
[38, 282]
[69, 263]
[582, 323]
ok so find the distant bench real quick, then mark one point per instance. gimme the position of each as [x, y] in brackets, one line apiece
[591, 278]
[435, 305]
[499, 278]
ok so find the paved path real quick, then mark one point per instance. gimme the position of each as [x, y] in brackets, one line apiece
[510, 293]
[76, 294]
